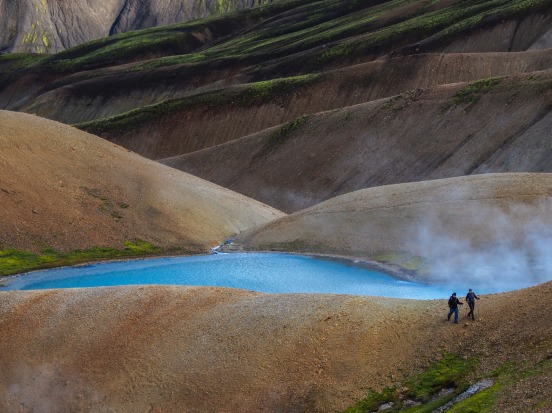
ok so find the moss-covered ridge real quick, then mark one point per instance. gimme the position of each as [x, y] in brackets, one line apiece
[330, 30]
[277, 41]
[252, 94]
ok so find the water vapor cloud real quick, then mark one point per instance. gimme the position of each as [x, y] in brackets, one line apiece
[490, 248]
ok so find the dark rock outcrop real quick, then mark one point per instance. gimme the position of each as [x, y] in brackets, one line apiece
[49, 26]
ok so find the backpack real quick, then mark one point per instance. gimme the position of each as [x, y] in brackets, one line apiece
[451, 301]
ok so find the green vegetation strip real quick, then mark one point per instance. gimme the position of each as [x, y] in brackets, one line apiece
[252, 94]
[282, 134]
[278, 29]
[448, 373]
[16, 261]
[470, 94]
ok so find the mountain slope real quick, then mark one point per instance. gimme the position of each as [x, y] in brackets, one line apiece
[51, 26]
[65, 189]
[490, 229]
[175, 66]
[497, 124]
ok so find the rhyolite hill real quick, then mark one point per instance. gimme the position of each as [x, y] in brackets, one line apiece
[63, 189]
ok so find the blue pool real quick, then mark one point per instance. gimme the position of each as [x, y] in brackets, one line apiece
[262, 272]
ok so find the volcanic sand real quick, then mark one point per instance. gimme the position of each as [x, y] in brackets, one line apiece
[477, 209]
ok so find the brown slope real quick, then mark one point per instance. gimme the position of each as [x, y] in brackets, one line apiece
[521, 28]
[65, 189]
[176, 349]
[205, 124]
[499, 125]
[78, 98]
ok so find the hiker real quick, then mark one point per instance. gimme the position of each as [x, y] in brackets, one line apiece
[453, 303]
[470, 299]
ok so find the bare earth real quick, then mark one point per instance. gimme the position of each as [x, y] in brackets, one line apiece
[478, 209]
[168, 349]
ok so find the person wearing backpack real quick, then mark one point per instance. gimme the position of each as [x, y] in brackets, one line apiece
[470, 299]
[453, 304]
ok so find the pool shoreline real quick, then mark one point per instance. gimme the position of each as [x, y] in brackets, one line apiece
[277, 272]
[392, 270]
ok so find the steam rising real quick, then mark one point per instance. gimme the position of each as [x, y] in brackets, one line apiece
[491, 249]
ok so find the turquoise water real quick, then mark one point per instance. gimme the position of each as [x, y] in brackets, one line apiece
[262, 272]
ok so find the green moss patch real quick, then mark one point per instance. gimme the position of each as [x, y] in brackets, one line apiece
[481, 402]
[449, 372]
[281, 135]
[253, 94]
[14, 261]
[423, 390]
[373, 401]
[472, 93]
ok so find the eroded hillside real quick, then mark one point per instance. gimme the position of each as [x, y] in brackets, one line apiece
[161, 348]
[199, 84]
[497, 124]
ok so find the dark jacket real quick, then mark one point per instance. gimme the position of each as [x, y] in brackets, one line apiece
[470, 297]
[454, 301]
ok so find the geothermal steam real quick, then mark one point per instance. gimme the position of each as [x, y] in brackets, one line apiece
[496, 249]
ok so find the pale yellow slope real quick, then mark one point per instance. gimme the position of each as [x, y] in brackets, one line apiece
[426, 219]
[62, 188]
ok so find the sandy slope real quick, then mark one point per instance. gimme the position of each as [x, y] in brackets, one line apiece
[439, 219]
[386, 217]
[62, 188]
[168, 349]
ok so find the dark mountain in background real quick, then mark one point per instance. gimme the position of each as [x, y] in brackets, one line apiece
[49, 26]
